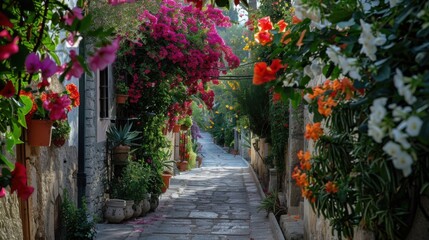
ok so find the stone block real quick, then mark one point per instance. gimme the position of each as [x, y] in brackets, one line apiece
[292, 227]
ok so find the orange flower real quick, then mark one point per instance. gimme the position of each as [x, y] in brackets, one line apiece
[313, 131]
[276, 65]
[263, 74]
[347, 88]
[285, 40]
[331, 187]
[301, 38]
[296, 20]
[282, 25]
[263, 37]
[260, 75]
[265, 24]
[325, 107]
[304, 159]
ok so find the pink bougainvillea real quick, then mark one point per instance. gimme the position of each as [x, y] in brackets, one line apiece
[180, 45]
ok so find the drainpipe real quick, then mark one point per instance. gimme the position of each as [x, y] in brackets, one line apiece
[81, 176]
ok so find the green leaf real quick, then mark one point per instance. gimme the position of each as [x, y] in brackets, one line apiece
[424, 132]
[383, 74]
[6, 162]
[222, 3]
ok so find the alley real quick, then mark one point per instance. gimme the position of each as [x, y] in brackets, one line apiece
[217, 201]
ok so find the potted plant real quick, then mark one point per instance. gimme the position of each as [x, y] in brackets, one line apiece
[185, 123]
[166, 167]
[60, 132]
[120, 140]
[121, 92]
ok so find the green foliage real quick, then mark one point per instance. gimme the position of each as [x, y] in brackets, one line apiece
[61, 129]
[134, 182]
[77, 222]
[255, 104]
[121, 87]
[271, 203]
[122, 135]
[279, 117]
[186, 121]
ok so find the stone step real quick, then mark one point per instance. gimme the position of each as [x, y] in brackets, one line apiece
[292, 227]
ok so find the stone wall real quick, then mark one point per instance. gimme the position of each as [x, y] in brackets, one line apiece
[51, 170]
[258, 163]
[10, 222]
[96, 155]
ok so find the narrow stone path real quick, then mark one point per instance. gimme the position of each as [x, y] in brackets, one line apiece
[217, 201]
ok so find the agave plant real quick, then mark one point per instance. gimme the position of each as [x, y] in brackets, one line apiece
[122, 135]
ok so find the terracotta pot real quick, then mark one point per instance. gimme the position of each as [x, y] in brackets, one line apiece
[120, 155]
[183, 166]
[166, 179]
[59, 142]
[121, 98]
[176, 128]
[129, 212]
[115, 210]
[39, 133]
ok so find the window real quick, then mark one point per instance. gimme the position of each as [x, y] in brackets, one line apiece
[104, 93]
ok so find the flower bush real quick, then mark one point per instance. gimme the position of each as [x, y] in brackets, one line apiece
[184, 53]
[30, 60]
[361, 67]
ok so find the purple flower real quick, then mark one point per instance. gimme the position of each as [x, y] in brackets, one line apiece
[32, 63]
[48, 67]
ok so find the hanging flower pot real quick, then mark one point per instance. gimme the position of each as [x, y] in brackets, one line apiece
[39, 133]
[121, 98]
[59, 142]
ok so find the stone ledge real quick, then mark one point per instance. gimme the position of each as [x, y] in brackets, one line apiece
[292, 226]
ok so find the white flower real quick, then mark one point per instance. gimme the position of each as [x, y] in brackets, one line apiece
[380, 101]
[403, 161]
[414, 124]
[400, 113]
[349, 66]
[321, 24]
[333, 52]
[408, 94]
[393, 3]
[376, 133]
[401, 138]
[313, 13]
[369, 42]
[392, 148]
[317, 66]
[378, 112]
[398, 80]
[368, 4]
[308, 72]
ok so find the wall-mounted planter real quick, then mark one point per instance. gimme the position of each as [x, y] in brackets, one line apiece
[39, 133]
[121, 98]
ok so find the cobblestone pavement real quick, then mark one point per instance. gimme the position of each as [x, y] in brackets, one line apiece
[217, 201]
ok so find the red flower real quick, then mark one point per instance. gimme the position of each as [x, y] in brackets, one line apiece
[263, 74]
[265, 24]
[19, 182]
[8, 90]
[263, 37]
[282, 25]
[276, 97]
